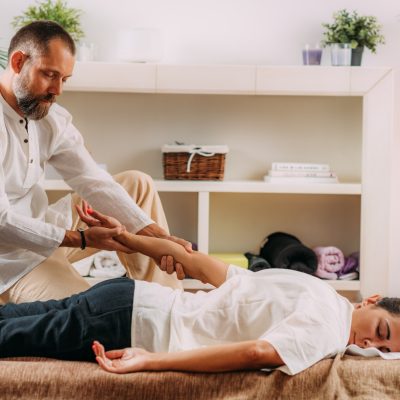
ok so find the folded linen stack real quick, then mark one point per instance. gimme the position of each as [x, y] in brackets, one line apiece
[288, 172]
[104, 264]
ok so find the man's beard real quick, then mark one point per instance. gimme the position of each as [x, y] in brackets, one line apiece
[30, 105]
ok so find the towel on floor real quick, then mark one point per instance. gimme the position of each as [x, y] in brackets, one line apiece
[283, 250]
[330, 262]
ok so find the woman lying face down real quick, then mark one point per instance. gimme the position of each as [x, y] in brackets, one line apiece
[252, 320]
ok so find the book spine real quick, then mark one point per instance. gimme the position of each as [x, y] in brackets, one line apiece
[294, 173]
[281, 166]
[291, 179]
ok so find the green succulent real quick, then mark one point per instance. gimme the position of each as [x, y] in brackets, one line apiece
[53, 10]
[359, 31]
[3, 58]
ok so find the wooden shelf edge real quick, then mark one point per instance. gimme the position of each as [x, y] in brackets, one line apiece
[217, 79]
[237, 187]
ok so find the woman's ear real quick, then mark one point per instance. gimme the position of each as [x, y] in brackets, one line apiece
[17, 61]
[371, 300]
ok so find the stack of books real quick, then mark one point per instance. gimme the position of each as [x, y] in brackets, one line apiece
[288, 172]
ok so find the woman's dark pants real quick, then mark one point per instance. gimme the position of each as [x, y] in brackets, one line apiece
[65, 329]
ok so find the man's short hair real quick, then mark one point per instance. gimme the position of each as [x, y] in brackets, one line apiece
[35, 37]
[390, 304]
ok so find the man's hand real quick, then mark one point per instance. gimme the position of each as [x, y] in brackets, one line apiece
[167, 263]
[121, 361]
[101, 232]
[94, 218]
[155, 230]
[103, 239]
[96, 237]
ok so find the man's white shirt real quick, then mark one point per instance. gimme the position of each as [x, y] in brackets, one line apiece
[30, 229]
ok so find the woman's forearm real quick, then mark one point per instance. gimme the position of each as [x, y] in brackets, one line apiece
[255, 354]
[197, 265]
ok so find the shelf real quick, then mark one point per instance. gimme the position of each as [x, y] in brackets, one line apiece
[224, 79]
[239, 187]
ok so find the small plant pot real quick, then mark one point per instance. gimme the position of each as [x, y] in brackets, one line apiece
[356, 56]
[341, 54]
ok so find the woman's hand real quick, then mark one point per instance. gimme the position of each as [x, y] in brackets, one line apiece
[121, 361]
[95, 218]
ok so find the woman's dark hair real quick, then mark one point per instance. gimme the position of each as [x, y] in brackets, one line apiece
[35, 37]
[390, 304]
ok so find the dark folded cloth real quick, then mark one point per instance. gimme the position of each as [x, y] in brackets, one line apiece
[256, 263]
[282, 250]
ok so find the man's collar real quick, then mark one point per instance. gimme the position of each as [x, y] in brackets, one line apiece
[7, 109]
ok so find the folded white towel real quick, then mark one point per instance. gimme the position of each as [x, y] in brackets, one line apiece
[354, 350]
[83, 266]
[106, 264]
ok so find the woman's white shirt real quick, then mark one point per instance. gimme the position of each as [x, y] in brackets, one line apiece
[301, 316]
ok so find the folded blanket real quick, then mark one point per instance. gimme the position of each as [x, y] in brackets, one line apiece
[283, 250]
[330, 261]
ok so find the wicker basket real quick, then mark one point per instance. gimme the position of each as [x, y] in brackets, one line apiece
[190, 162]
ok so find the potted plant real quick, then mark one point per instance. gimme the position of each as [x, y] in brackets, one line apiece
[3, 58]
[53, 10]
[359, 31]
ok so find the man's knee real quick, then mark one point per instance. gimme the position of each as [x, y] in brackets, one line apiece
[137, 177]
[137, 183]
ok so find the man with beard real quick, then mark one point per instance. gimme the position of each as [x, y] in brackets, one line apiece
[38, 242]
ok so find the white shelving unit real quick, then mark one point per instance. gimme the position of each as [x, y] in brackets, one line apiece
[379, 194]
[204, 189]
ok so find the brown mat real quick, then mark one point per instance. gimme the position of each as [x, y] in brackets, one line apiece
[349, 377]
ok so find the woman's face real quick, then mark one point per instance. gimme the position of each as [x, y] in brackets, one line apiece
[372, 326]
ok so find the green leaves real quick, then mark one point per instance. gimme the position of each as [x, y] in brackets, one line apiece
[3, 58]
[53, 10]
[355, 29]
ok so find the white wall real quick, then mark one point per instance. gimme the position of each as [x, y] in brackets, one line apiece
[223, 31]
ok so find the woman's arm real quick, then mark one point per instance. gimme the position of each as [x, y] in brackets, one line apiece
[167, 252]
[255, 354]
[197, 265]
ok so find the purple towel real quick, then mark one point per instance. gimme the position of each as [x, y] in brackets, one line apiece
[351, 264]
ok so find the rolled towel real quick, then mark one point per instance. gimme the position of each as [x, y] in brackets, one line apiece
[351, 264]
[330, 261]
[283, 250]
[106, 264]
[256, 263]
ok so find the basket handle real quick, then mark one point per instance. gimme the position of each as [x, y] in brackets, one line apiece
[200, 152]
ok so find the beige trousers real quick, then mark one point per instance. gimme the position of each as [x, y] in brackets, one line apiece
[56, 278]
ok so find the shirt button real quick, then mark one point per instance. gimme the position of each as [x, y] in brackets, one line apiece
[21, 121]
[26, 140]
[31, 160]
